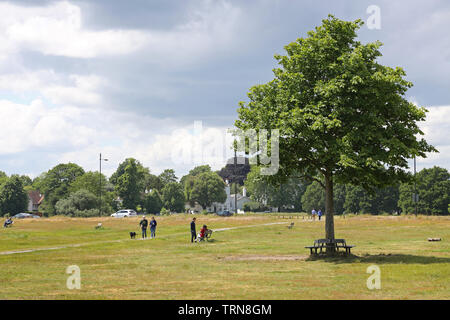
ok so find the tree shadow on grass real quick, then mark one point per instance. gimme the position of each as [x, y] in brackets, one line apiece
[380, 259]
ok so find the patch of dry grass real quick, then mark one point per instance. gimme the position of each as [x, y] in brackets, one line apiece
[260, 262]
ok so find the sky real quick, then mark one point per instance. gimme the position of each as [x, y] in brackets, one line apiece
[150, 79]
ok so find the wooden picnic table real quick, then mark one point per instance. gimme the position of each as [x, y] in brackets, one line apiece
[337, 244]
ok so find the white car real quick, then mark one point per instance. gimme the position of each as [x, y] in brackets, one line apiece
[124, 213]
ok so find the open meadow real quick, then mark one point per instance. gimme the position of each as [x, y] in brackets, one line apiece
[258, 258]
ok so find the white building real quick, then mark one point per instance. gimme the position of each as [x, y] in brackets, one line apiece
[230, 203]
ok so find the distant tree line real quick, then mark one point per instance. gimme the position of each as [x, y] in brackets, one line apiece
[69, 190]
[432, 185]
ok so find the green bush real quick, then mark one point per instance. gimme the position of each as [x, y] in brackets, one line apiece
[81, 203]
[164, 212]
[254, 206]
[86, 213]
[153, 202]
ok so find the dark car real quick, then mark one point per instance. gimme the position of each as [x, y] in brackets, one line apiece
[224, 213]
[23, 215]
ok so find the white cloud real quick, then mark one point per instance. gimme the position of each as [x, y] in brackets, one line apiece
[436, 131]
[82, 92]
[60, 89]
[79, 134]
[27, 127]
[80, 123]
[210, 28]
[57, 30]
[23, 81]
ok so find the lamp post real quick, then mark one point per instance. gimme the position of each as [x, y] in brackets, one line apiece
[100, 204]
[415, 189]
[235, 186]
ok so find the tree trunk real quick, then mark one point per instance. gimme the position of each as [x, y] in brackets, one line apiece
[329, 209]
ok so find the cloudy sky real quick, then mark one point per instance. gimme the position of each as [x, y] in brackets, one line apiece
[147, 78]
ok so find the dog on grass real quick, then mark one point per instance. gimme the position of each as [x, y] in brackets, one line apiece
[132, 235]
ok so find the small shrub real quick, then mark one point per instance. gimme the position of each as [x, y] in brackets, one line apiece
[86, 213]
[254, 206]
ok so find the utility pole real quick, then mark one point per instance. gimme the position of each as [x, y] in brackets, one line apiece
[415, 189]
[235, 180]
[100, 203]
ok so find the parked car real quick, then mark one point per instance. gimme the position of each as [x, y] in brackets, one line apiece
[24, 215]
[124, 213]
[224, 213]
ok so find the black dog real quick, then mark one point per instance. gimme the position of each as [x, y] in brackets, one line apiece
[132, 235]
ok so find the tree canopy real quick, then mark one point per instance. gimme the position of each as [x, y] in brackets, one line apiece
[167, 176]
[56, 182]
[281, 195]
[433, 188]
[129, 183]
[13, 198]
[342, 117]
[173, 197]
[208, 187]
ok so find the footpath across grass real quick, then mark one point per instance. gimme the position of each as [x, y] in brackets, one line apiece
[258, 258]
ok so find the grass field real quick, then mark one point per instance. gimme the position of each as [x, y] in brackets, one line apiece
[255, 260]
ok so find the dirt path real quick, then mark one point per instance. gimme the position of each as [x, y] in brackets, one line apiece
[112, 241]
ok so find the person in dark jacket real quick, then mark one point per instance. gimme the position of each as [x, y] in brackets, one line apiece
[193, 232]
[153, 228]
[8, 223]
[144, 225]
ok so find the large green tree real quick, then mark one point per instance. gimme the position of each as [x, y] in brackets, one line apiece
[153, 202]
[208, 187]
[81, 203]
[314, 198]
[92, 181]
[129, 182]
[13, 198]
[286, 194]
[3, 178]
[173, 197]
[188, 181]
[342, 117]
[195, 172]
[167, 176]
[433, 188]
[55, 184]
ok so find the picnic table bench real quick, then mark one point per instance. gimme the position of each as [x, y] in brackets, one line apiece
[321, 244]
[340, 243]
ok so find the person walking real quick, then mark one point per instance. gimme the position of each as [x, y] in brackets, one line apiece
[319, 214]
[153, 228]
[144, 224]
[193, 232]
[313, 214]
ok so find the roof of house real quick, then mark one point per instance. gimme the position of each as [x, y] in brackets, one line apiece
[35, 196]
